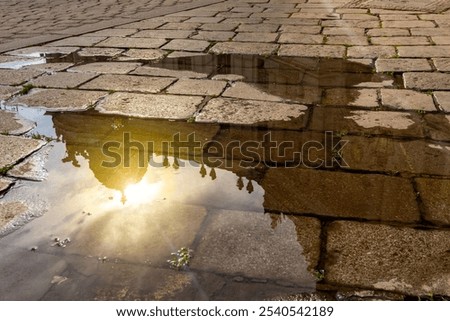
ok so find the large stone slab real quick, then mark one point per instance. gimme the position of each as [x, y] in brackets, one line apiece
[129, 83]
[17, 77]
[343, 120]
[434, 195]
[106, 67]
[381, 154]
[162, 72]
[62, 80]
[407, 99]
[248, 112]
[80, 41]
[59, 99]
[141, 54]
[16, 148]
[328, 51]
[259, 246]
[187, 45]
[393, 65]
[388, 258]
[202, 87]
[337, 194]
[7, 92]
[42, 51]
[250, 48]
[427, 80]
[121, 42]
[150, 106]
[403, 5]
[12, 124]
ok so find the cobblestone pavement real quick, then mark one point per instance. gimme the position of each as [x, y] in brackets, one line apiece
[369, 211]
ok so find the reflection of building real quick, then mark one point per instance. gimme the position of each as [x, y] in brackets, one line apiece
[85, 135]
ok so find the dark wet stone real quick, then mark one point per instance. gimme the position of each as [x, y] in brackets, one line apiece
[343, 120]
[382, 257]
[434, 194]
[438, 126]
[259, 246]
[337, 194]
[393, 156]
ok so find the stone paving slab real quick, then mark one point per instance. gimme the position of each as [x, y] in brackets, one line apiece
[187, 45]
[438, 126]
[33, 167]
[50, 67]
[337, 194]
[59, 99]
[129, 83]
[388, 258]
[40, 51]
[366, 98]
[5, 184]
[312, 51]
[17, 77]
[443, 100]
[427, 80]
[80, 41]
[12, 124]
[99, 52]
[201, 87]
[442, 64]
[141, 55]
[121, 42]
[397, 156]
[150, 106]
[162, 72]
[16, 148]
[7, 92]
[106, 67]
[62, 80]
[395, 65]
[250, 112]
[407, 100]
[434, 195]
[246, 244]
[250, 48]
[344, 120]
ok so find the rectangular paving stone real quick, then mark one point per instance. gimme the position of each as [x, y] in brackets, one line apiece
[129, 83]
[300, 29]
[7, 92]
[399, 17]
[214, 35]
[398, 64]
[336, 31]
[441, 40]
[427, 80]
[113, 32]
[366, 98]
[443, 100]
[121, 42]
[222, 26]
[438, 126]
[291, 37]
[80, 41]
[164, 34]
[250, 48]
[397, 156]
[423, 51]
[408, 24]
[442, 64]
[187, 45]
[370, 122]
[371, 52]
[201, 87]
[338, 194]
[351, 23]
[258, 27]
[162, 72]
[434, 195]
[180, 26]
[387, 32]
[16, 77]
[141, 54]
[328, 51]
[100, 52]
[251, 112]
[230, 241]
[255, 37]
[395, 41]
[59, 99]
[407, 100]
[16, 148]
[388, 258]
[358, 16]
[150, 106]
[106, 67]
[347, 40]
[39, 51]
[62, 80]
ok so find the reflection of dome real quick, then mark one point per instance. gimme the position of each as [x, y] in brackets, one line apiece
[85, 134]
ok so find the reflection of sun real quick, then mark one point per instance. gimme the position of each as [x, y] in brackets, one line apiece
[139, 193]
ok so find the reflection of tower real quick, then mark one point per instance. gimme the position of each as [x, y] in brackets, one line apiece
[212, 174]
[240, 183]
[203, 171]
[176, 164]
[250, 186]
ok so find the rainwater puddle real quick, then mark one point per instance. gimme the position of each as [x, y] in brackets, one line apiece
[328, 207]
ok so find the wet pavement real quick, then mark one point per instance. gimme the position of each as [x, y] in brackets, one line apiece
[297, 150]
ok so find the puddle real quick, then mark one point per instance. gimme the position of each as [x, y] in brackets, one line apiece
[128, 192]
